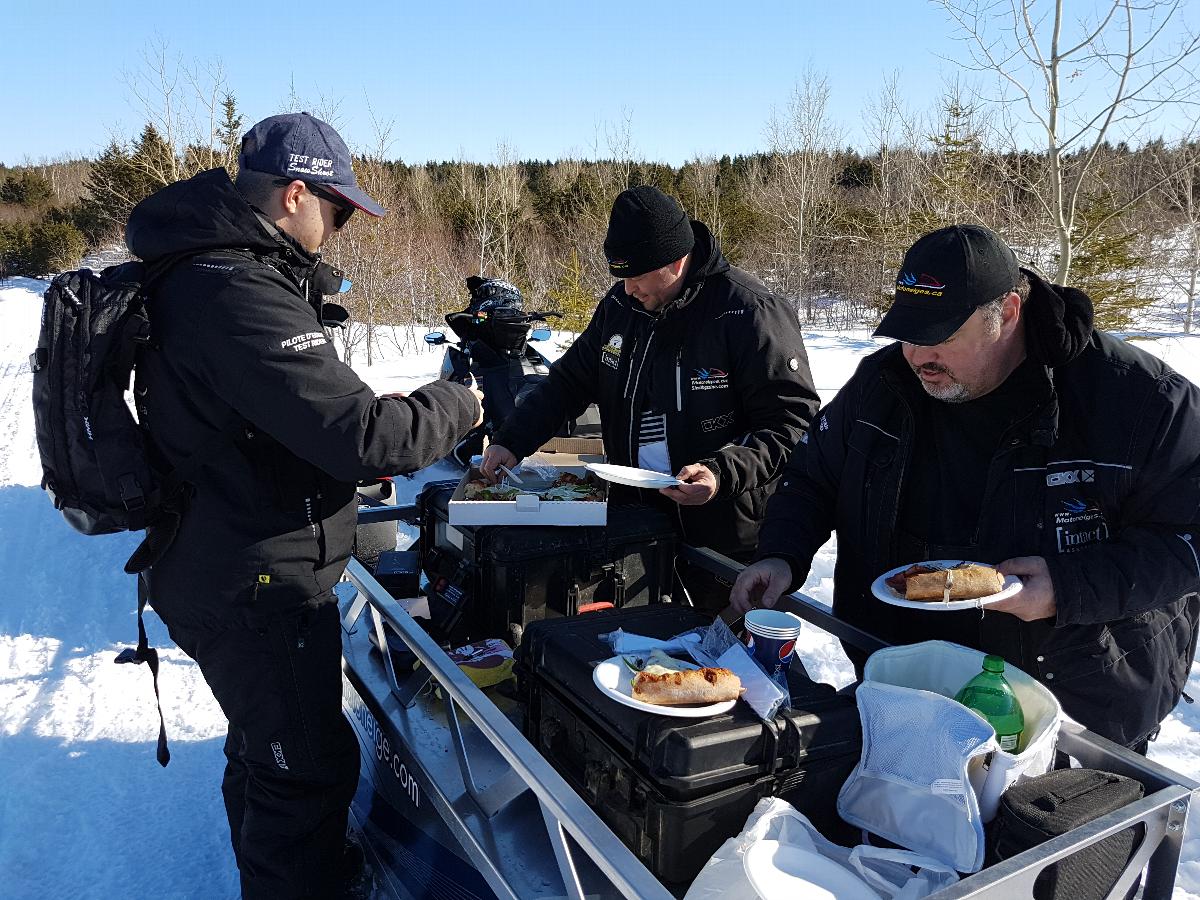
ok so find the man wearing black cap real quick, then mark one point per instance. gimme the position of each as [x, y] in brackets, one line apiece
[1002, 428]
[698, 371]
[242, 388]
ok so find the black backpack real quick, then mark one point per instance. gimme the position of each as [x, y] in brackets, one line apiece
[95, 464]
[96, 458]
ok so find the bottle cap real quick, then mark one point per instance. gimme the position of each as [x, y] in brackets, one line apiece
[993, 663]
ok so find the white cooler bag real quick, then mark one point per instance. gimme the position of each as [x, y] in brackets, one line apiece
[931, 772]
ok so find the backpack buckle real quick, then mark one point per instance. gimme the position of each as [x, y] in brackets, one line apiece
[132, 496]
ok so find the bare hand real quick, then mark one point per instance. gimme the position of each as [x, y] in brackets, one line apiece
[494, 457]
[395, 395]
[1035, 600]
[479, 398]
[760, 584]
[699, 486]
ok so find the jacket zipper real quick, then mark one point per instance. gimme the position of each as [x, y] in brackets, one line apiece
[678, 381]
[634, 419]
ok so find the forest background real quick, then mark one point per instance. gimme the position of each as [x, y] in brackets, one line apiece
[1053, 133]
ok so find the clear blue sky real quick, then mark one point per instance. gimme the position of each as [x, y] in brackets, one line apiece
[458, 77]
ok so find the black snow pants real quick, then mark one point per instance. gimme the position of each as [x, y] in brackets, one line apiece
[292, 758]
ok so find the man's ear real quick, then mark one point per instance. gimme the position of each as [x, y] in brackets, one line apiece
[290, 198]
[1011, 311]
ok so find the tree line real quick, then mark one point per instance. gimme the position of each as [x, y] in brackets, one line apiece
[822, 220]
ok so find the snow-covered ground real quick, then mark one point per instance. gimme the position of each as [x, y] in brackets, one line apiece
[84, 809]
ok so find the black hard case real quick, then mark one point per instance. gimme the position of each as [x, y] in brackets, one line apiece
[675, 789]
[494, 580]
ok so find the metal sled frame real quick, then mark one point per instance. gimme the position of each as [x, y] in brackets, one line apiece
[529, 834]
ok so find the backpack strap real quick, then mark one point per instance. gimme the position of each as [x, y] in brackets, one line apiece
[144, 653]
[166, 494]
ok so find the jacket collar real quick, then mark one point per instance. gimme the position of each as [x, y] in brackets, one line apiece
[1040, 428]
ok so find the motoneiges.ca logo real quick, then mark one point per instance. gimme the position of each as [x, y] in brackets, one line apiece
[920, 283]
[709, 379]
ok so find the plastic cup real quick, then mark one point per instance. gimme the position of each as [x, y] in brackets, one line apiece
[770, 636]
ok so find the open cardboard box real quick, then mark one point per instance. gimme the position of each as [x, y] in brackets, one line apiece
[528, 509]
[584, 446]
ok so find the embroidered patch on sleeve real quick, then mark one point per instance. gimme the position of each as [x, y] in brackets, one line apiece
[305, 341]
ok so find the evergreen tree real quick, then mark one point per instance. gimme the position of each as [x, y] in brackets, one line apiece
[230, 133]
[1107, 265]
[121, 178]
[571, 296]
[15, 249]
[55, 247]
[27, 188]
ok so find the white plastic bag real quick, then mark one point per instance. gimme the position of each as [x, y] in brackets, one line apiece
[876, 873]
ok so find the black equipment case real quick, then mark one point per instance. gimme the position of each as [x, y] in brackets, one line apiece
[491, 581]
[1038, 809]
[674, 789]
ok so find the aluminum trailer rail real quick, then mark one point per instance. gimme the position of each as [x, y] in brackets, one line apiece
[530, 835]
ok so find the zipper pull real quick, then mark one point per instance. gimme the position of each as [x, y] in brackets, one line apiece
[678, 380]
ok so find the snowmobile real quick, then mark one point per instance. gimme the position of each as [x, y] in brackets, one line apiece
[456, 799]
[493, 351]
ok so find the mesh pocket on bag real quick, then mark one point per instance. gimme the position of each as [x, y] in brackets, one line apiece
[919, 741]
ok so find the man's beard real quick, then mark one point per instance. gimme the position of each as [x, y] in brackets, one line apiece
[952, 392]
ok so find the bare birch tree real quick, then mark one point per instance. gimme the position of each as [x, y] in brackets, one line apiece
[1079, 83]
[797, 191]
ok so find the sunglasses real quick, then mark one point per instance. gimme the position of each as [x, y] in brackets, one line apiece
[344, 210]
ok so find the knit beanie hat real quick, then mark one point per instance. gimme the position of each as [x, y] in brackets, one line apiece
[646, 231]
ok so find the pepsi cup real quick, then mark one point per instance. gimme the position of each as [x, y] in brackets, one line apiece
[770, 636]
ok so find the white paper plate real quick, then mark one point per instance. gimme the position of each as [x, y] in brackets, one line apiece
[615, 679]
[879, 587]
[786, 872]
[641, 478]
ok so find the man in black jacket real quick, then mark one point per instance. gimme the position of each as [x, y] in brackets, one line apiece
[1002, 428]
[698, 371]
[241, 368]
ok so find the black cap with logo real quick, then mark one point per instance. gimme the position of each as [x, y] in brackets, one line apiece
[302, 147]
[946, 275]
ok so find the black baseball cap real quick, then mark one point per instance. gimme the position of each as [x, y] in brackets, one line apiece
[300, 146]
[946, 275]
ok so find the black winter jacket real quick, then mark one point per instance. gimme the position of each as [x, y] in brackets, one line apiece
[1102, 480]
[725, 362]
[239, 346]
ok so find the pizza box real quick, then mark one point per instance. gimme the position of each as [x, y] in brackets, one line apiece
[528, 509]
[580, 445]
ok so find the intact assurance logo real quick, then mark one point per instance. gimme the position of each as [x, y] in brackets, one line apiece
[610, 353]
[920, 283]
[1080, 522]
